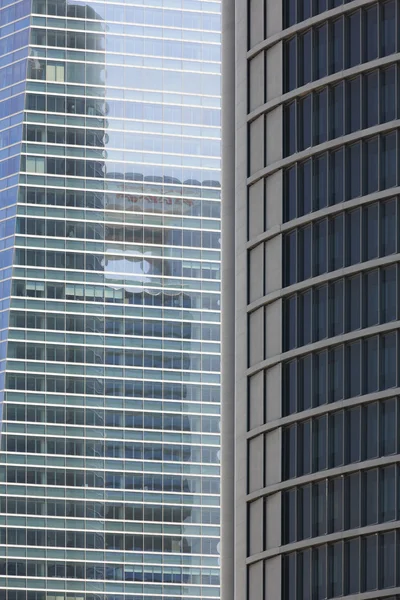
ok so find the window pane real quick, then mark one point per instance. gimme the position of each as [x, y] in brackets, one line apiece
[319, 444]
[320, 53]
[353, 307]
[336, 176]
[305, 381]
[388, 227]
[290, 452]
[305, 318]
[370, 562]
[387, 560]
[388, 161]
[320, 312]
[290, 129]
[305, 435]
[353, 370]
[305, 62]
[371, 365]
[320, 181]
[336, 374]
[290, 194]
[289, 520]
[320, 247]
[353, 39]
[319, 573]
[387, 503]
[336, 325]
[370, 41]
[371, 103]
[290, 387]
[388, 361]
[320, 395]
[371, 430]
[305, 122]
[353, 501]
[291, 64]
[353, 171]
[371, 246]
[337, 43]
[335, 571]
[336, 505]
[371, 298]
[305, 194]
[353, 435]
[352, 558]
[371, 166]
[388, 106]
[370, 497]
[337, 242]
[305, 254]
[388, 294]
[354, 104]
[305, 512]
[388, 427]
[354, 237]
[290, 258]
[388, 25]
[320, 109]
[290, 322]
[319, 509]
[336, 439]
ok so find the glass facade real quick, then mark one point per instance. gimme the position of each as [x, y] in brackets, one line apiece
[109, 287]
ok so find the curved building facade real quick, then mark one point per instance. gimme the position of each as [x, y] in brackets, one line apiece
[315, 258]
[109, 288]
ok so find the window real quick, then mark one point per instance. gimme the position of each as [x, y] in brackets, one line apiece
[388, 25]
[370, 562]
[370, 37]
[370, 498]
[353, 39]
[354, 104]
[388, 294]
[372, 164]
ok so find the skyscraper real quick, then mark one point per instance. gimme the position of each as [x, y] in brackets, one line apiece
[109, 288]
[311, 368]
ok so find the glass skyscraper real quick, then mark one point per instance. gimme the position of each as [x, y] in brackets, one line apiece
[109, 289]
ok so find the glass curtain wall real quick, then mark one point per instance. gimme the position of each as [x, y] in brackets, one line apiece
[110, 436]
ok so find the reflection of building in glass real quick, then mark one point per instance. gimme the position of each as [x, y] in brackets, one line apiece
[109, 220]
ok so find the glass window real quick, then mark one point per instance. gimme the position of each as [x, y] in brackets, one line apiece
[388, 160]
[319, 443]
[290, 258]
[305, 254]
[306, 574]
[370, 562]
[352, 560]
[291, 63]
[290, 129]
[388, 28]
[290, 387]
[337, 46]
[290, 516]
[336, 324]
[353, 174]
[305, 58]
[336, 242]
[387, 495]
[305, 112]
[388, 102]
[353, 369]
[353, 307]
[290, 12]
[320, 247]
[319, 509]
[387, 560]
[336, 176]
[305, 194]
[388, 227]
[336, 111]
[353, 501]
[388, 294]
[320, 181]
[371, 298]
[336, 374]
[305, 512]
[290, 322]
[353, 434]
[320, 312]
[353, 39]
[305, 318]
[335, 571]
[319, 573]
[388, 427]
[336, 505]
[289, 579]
[320, 110]
[336, 439]
[370, 98]
[305, 381]
[371, 430]
[370, 41]
[353, 104]
[388, 361]
[371, 238]
[290, 452]
[305, 446]
[290, 193]
[320, 51]
[354, 236]
[371, 365]
[370, 497]
[320, 395]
